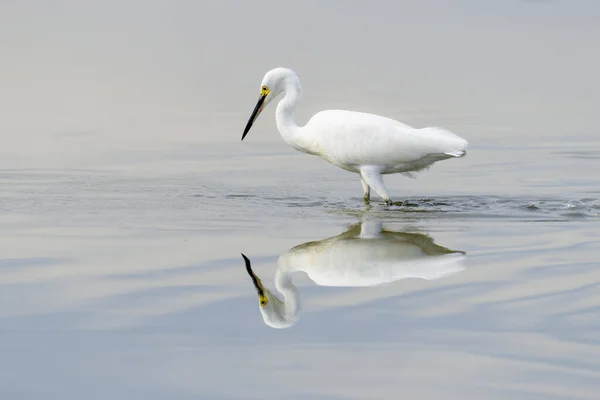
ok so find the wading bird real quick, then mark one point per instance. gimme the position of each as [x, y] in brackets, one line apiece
[366, 144]
[364, 255]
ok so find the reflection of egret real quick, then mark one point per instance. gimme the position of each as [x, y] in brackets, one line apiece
[367, 144]
[364, 255]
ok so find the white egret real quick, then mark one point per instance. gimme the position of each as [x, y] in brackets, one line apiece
[364, 255]
[367, 144]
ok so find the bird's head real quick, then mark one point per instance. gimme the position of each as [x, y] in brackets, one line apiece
[272, 309]
[272, 85]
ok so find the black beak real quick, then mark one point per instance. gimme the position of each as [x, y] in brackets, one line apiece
[255, 280]
[254, 115]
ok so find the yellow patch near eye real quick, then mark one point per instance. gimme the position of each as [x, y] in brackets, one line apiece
[263, 300]
[264, 91]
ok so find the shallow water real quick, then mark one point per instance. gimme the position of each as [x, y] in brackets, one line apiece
[127, 198]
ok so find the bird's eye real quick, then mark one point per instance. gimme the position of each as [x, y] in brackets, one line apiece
[263, 301]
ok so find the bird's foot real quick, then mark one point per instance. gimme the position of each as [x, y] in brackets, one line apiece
[367, 199]
[405, 203]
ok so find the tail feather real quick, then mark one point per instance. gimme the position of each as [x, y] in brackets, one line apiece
[447, 142]
[457, 153]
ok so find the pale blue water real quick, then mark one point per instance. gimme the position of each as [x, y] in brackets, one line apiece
[126, 198]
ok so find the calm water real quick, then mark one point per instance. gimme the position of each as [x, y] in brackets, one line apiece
[126, 198]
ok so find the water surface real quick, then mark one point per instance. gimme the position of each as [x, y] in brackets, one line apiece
[126, 198]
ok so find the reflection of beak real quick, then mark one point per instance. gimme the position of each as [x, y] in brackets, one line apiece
[257, 110]
[257, 283]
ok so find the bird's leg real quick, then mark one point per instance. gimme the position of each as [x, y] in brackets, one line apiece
[366, 190]
[372, 177]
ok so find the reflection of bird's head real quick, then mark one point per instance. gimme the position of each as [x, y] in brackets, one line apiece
[272, 309]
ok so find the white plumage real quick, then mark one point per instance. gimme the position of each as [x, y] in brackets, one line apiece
[367, 144]
[365, 255]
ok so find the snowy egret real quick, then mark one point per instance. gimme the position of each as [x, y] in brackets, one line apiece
[364, 255]
[367, 144]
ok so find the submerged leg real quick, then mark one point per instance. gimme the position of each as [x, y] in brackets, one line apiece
[366, 190]
[372, 176]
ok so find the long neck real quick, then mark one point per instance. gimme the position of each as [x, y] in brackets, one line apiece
[291, 295]
[286, 125]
